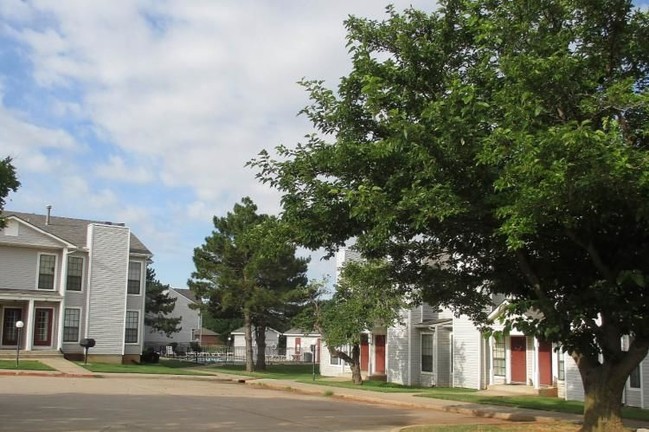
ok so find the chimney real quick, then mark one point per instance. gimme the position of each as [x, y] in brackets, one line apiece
[47, 218]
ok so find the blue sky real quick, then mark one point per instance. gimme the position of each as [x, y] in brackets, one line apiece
[145, 112]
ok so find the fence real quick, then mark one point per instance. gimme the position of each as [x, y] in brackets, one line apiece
[231, 355]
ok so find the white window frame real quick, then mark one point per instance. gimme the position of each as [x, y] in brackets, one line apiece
[432, 352]
[63, 324]
[137, 341]
[503, 341]
[38, 271]
[142, 270]
[83, 273]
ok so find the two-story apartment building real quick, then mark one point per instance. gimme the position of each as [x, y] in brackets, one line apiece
[68, 279]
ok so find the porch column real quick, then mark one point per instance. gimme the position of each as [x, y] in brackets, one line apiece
[59, 333]
[491, 360]
[29, 326]
[537, 369]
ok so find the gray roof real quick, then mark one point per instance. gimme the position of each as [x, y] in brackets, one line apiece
[71, 230]
[242, 330]
[186, 293]
[434, 322]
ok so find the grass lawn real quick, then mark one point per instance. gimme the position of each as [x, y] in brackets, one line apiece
[25, 365]
[295, 372]
[506, 427]
[303, 373]
[165, 367]
[529, 402]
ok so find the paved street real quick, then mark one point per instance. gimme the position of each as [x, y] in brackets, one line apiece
[144, 404]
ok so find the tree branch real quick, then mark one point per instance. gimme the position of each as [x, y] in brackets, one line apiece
[594, 255]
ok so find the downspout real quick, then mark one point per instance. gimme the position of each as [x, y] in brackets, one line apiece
[408, 329]
[62, 291]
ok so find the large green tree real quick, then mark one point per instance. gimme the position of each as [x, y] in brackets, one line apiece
[247, 267]
[8, 183]
[494, 147]
[158, 306]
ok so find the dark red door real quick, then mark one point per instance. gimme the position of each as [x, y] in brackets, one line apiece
[545, 363]
[379, 354]
[43, 327]
[519, 359]
[365, 352]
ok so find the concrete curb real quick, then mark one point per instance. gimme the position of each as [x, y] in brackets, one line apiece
[488, 411]
[51, 374]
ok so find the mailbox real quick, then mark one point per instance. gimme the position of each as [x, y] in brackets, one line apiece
[86, 344]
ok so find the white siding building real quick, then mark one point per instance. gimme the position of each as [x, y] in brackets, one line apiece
[69, 279]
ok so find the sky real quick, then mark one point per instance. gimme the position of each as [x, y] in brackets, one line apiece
[145, 112]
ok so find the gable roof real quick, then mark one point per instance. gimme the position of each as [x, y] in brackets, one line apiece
[71, 230]
[242, 330]
[300, 332]
[186, 293]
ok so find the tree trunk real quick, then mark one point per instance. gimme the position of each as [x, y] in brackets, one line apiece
[354, 362]
[356, 365]
[247, 323]
[260, 338]
[603, 391]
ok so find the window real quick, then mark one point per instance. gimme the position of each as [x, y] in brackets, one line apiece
[335, 360]
[562, 367]
[71, 325]
[634, 378]
[427, 352]
[499, 355]
[134, 277]
[75, 273]
[46, 265]
[132, 321]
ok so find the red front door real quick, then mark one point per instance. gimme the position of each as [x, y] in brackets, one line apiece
[519, 359]
[365, 352]
[43, 327]
[545, 363]
[379, 354]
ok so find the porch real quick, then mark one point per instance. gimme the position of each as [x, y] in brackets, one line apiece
[30, 319]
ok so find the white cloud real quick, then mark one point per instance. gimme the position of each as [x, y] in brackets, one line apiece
[117, 170]
[180, 92]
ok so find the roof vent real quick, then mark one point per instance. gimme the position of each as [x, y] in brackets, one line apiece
[47, 218]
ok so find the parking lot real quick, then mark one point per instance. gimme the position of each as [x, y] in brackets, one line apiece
[173, 404]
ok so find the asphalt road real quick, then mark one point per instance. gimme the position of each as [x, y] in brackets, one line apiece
[143, 404]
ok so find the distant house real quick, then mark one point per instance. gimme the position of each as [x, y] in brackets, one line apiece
[190, 324]
[238, 344]
[68, 279]
[207, 338]
[302, 346]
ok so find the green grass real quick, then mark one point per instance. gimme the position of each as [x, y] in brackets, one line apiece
[165, 367]
[376, 386]
[294, 372]
[525, 402]
[33, 365]
[509, 427]
[303, 374]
